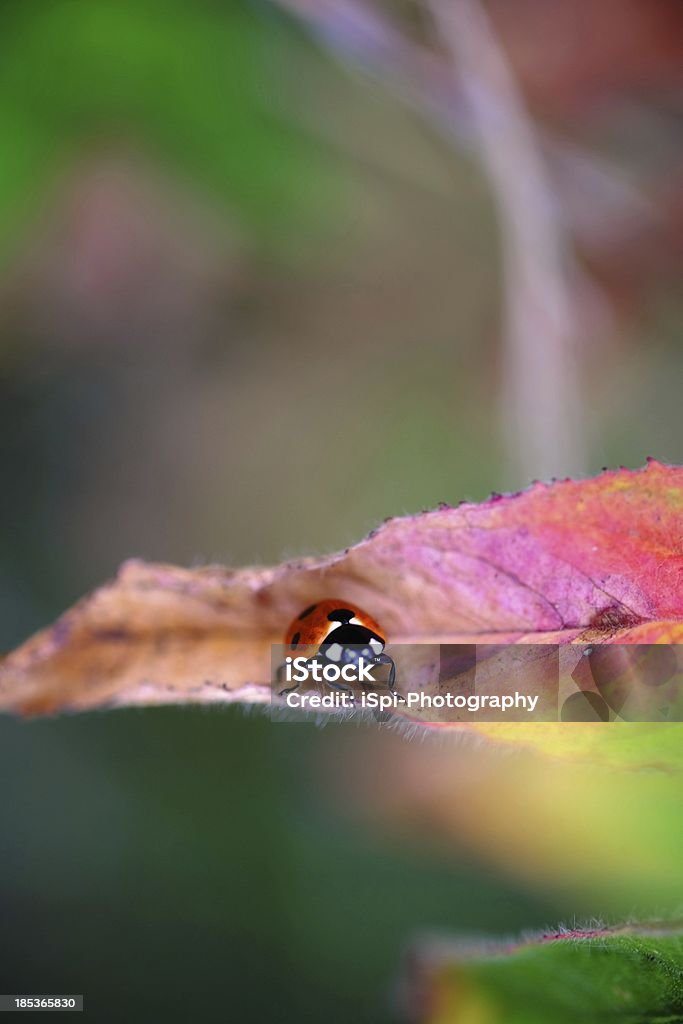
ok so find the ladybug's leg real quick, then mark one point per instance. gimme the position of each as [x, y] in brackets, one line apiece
[280, 678]
[384, 659]
[323, 660]
[287, 689]
[338, 686]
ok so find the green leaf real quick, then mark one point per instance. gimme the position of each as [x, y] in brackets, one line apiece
[597, 975]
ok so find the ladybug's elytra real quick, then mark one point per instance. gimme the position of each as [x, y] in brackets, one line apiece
[339, 632]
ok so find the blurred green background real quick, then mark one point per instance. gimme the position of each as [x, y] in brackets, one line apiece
[250, 306]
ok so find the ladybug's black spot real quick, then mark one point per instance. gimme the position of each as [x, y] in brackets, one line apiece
[341, 615]
[295, 640]
[307, 611]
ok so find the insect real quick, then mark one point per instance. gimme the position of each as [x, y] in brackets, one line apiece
[339, 633]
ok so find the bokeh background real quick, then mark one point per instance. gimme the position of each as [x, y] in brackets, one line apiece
[260, 287]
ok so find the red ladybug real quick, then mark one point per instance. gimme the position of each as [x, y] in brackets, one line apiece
[339, 632]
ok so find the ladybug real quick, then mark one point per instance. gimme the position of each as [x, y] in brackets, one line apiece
[340, 633]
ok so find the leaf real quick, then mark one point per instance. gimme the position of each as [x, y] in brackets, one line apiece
[627, 974]
[567, 562]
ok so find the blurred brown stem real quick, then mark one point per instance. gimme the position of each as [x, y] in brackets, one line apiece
[542, 409]
[549, 194]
